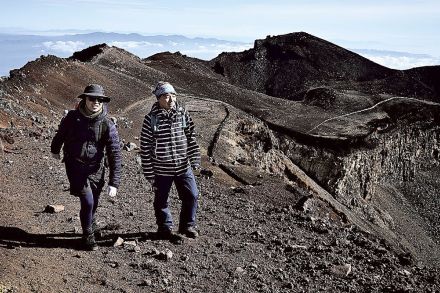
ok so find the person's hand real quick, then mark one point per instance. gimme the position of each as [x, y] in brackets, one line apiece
[112, 191]
[56, 156]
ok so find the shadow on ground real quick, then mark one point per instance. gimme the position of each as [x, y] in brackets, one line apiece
[12, 237]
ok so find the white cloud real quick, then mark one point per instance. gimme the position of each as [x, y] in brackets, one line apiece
[218, 48]
[213, 50]
[65, 46]
[207, 51]
[403, 62]
[133, 44]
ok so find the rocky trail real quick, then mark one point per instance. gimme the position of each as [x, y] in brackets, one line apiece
[252, 240]
[319, 174]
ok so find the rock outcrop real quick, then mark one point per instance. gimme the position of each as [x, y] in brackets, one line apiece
[355, 141]
[287, 66]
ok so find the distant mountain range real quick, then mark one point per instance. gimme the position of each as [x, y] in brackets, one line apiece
[18, 49]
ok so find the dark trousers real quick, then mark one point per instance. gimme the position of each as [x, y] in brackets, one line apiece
[89, 199]
[188, 194]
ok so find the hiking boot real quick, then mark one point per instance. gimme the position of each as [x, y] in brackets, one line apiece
[164, 233]
[96, 229]
[189, 232]
[90, 242]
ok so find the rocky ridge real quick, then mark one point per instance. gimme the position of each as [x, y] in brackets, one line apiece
[347, 153]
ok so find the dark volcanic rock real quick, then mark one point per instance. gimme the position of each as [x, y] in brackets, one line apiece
[335, 192]
[89, 53]
[428, 76]
[287, 66]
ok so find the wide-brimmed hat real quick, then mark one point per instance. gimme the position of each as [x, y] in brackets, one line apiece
[94, 90]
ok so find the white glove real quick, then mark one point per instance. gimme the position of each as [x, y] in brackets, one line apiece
[56, 156]
[112, 191]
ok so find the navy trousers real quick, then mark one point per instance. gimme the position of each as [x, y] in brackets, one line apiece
[89, 199]
[188, 194]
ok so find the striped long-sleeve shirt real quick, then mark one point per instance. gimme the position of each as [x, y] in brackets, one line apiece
[171, 148]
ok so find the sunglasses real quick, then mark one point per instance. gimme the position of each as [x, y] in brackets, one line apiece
[94, 99]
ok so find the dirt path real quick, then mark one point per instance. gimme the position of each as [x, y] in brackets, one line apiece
[252, 238]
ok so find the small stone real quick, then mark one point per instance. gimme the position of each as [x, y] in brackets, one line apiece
[118, 242]
[341, 270]
[165, 255]
[239, 270]
[293, 247]
[146, 282]
[52, 209]
[153, 251]
[130, 243]
[168, 254]
[130, 146]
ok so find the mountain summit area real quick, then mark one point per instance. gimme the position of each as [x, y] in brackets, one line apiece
[320, 173]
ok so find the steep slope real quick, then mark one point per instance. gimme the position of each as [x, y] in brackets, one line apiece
[286, 66]
[428, 76]
[339, 187]
[348, 141]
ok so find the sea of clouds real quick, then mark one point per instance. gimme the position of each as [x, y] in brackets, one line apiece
[15, 55]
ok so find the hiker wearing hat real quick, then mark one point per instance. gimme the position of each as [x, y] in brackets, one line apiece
[169, 152]
[88, 135]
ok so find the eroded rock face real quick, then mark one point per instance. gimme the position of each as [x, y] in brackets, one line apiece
[398, 156]
[389, 182]
[338, 134]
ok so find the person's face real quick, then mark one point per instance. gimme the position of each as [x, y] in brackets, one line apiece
[167, 101]
[94, 104]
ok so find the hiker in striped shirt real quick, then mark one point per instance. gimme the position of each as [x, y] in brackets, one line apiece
[169, 153]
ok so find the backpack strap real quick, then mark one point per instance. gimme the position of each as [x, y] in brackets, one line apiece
[153, 122]
[182, 112]
[183, 119]
[102, 129]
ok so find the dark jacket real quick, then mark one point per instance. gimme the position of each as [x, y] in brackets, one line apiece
[171, 148]
[86, 141]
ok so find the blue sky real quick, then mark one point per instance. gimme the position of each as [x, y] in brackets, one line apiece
[405, 26]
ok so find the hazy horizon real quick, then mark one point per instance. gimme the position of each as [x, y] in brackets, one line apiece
[381, 25]
[25, 48]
